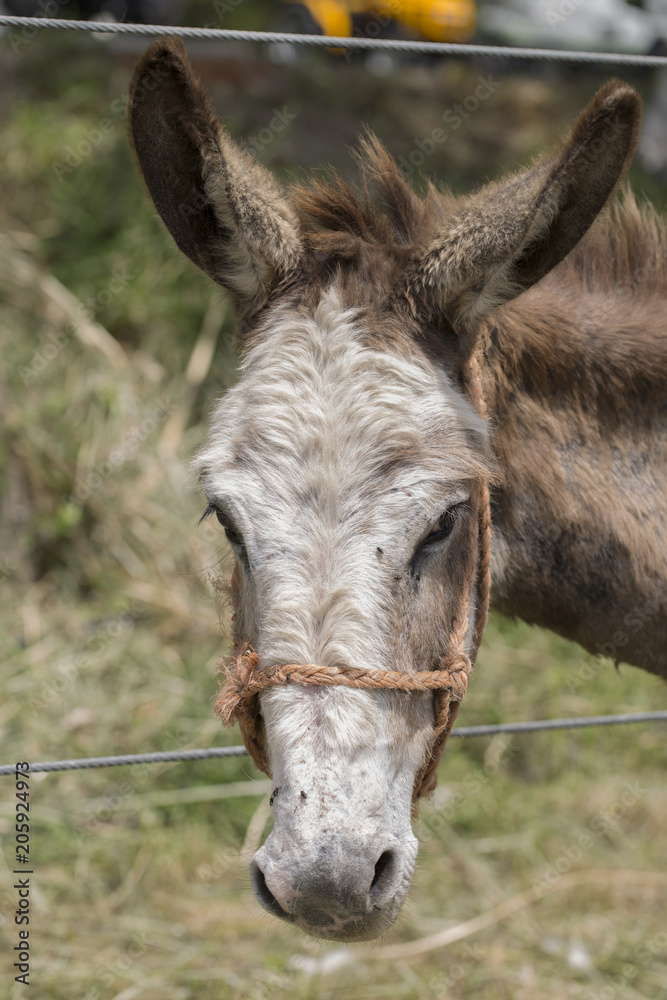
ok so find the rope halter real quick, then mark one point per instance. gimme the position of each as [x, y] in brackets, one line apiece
[238, 699]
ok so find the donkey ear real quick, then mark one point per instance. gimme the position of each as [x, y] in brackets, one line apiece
[510, 234]
[224, 210]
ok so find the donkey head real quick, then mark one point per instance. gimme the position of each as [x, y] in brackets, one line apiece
[342, 464]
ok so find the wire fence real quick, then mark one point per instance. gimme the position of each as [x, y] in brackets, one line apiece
[356, 43]
[171, 756]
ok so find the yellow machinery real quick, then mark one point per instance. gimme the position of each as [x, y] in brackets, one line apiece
[435, 20]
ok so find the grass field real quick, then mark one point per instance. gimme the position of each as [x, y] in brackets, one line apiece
[113, 353]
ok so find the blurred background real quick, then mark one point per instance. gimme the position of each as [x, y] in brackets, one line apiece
[114, 350]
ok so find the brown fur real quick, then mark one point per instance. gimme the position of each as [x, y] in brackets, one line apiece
[576, 374]
[224, 210]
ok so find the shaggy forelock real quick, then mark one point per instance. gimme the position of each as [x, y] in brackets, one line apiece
[324, 443]
[383, 209]
[312, 388]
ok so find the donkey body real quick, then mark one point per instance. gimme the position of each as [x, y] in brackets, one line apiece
[576, 382]
[343, 463]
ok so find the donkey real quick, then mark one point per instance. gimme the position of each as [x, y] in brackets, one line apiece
[348, 466]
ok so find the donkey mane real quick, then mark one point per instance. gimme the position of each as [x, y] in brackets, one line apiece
[626, 246]
[589, 335]
[614, 279]
[344, 226]
[383, 211]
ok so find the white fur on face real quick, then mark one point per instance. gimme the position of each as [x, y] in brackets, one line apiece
[335, 459]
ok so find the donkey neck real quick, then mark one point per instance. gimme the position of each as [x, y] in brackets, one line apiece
[577, 402]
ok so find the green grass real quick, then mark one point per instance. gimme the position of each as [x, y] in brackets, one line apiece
[110, 637]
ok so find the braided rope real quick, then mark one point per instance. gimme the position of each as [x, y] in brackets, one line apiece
[238, 699]
[447, 703]
[474, 388]
[247, 681]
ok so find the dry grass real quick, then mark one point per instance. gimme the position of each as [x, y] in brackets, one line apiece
[543, 857]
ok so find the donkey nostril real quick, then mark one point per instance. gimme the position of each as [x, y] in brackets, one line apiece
[383, 877]
[264, 894]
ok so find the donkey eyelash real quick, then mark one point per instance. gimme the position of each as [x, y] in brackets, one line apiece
[210, 509]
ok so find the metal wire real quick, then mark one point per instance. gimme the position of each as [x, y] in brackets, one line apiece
[129, 758]
[541, 725]
[329, 41]
[239, 751]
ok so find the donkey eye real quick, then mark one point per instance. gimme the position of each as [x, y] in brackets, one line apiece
[444, 525]
[234, 536]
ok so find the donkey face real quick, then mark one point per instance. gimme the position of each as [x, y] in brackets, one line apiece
[342, 476]
[341, 465]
